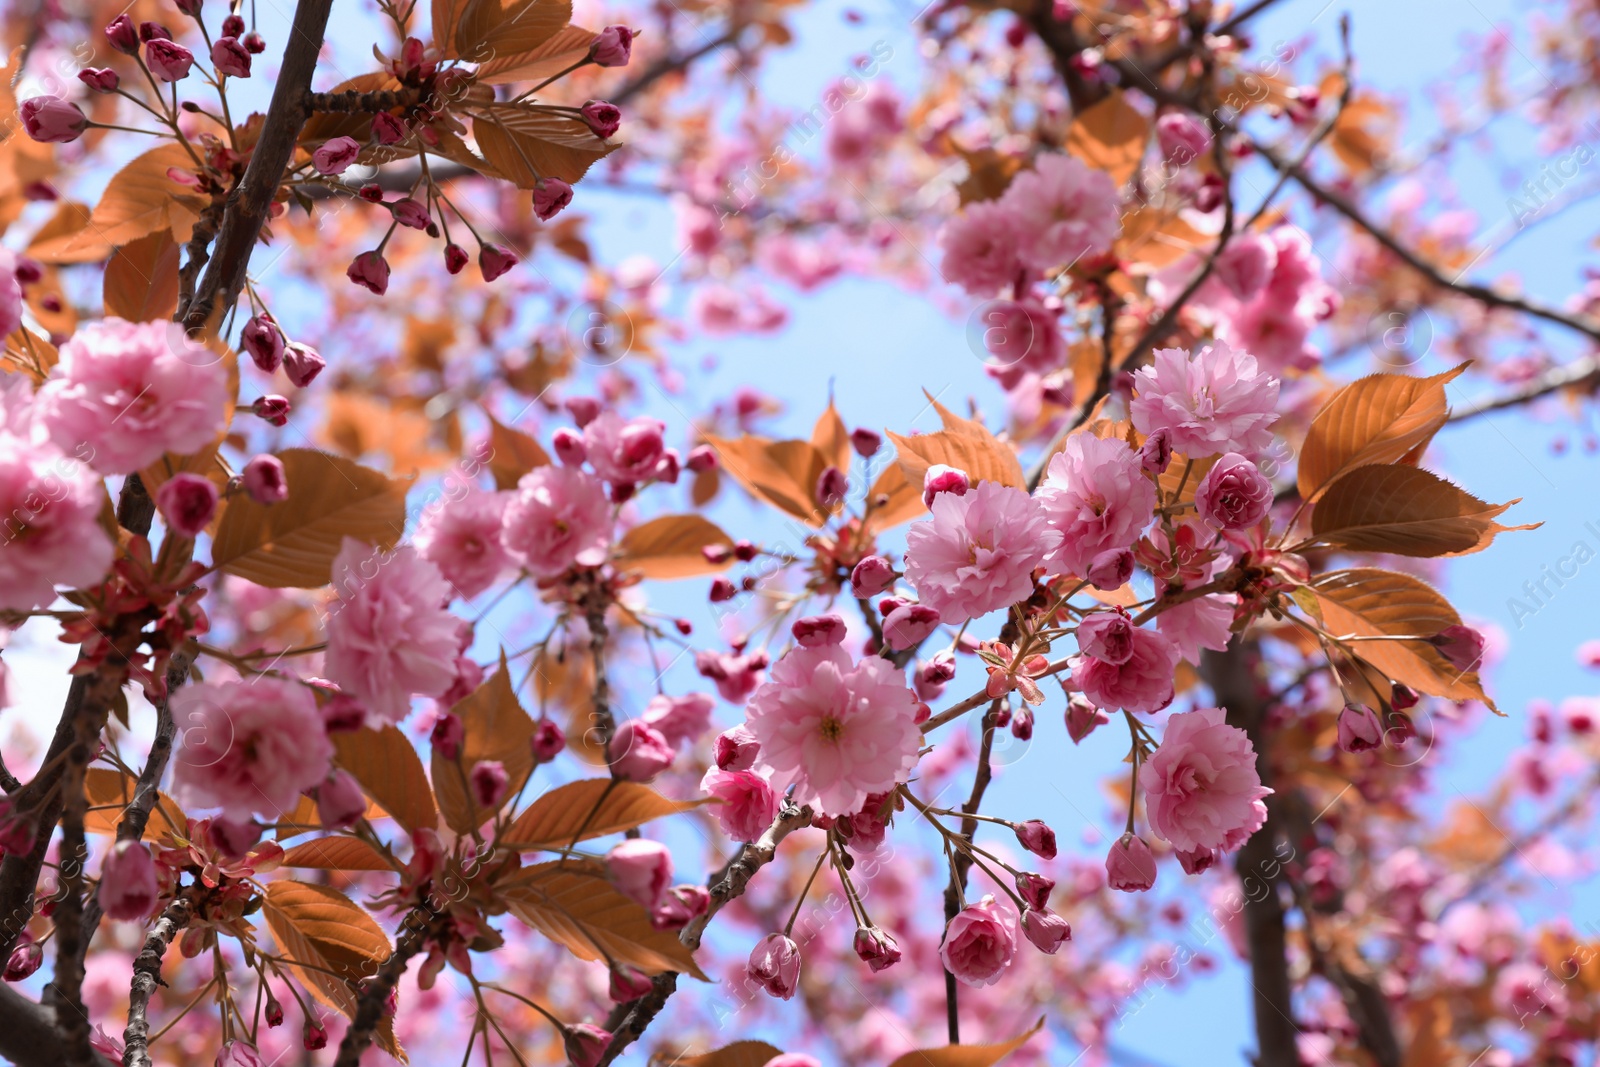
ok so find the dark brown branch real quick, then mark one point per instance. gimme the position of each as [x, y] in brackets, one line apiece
[375, 993]
[961, 865]
[28, 1034]
[147, 975]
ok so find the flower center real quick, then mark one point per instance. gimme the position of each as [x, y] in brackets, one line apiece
[831, 728]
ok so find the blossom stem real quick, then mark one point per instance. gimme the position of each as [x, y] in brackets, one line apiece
[788, 927]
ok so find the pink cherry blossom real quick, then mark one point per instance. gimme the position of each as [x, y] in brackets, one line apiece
[624, 452]
[129, 886]
[748, 804]
[980, 248]
[835, 730]
[1142, 683]
[978, 552]
[558, 517]
[52, 533]
[390, 636]
[638, 752]
[775, 966]
[1204, 622]
[1216, 400]
[640, 869]
[1233, 495]
[124, 394]
[1097, 498]
[980, 942]
[247, 747]
[1201, 788]
[462, 538]
[1130, 865]
[679, 720]
[1069, 210]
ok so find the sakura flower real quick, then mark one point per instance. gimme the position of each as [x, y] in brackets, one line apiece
[557, 518]
[638, 752]
[1201, 787]
[462, 538]
[1217, 400]
[1142, 683]
[53, 532]
[1096, 497]
[390, 636]
[129, 885]
[775, 966]
[979, 551]
[736, 674]
[248, 746]
[1130, 865]
[980, 942]
[640, 869]
[1233, 495]
[748, 804]
[835, 730]
[1068, 211]
[624, 452]
[980, 248]
[124, 394]
[679, 720]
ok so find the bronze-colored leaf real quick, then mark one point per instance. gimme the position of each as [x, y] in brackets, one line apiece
[574, 904]
[1110, 136]
[738, 1054]
[336, 854]
[526, 144]
[512, 454]
[140, 199]
[486, 29]
[964, 444]
[669, 547]
[1382, 418]
[390, 772]
[830, 438]
[893, 499]
[141, 280]
[496, 729]
[28, 353]
[566, 47]
[335, 945]
[594, 806]
[1367, 602]
[781, 473]
[1407, 511]
[292, 544]
[966, 1055]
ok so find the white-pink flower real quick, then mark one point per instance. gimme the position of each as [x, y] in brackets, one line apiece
[462, 538]
[1201, 787]
[247, 747]
[51, 533]
[980, 248]
[390, 636]
[1097, 497]
[1065, 210]
[558, 517]
[1217, 400]
[836, 730]
[124, 394]
[979, 551]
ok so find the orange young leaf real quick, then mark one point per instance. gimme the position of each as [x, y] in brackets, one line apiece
[669, 547]
[594, 806]
[496, 729]
[1407, 511]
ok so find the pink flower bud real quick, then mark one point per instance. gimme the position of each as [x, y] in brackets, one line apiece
[53, 120]
[583, 409]
[1083, 717]
[1182, 138]
[1156, 452]
[387, 129]
[314, 1036]
[666, 471]
[187, 503]
[1107, 635]
[264, 341]
[1111, 569]
[340, 802]
[335, 155]
[1233, 495]
[722, 591]
[233, 26]
[1359, 728]
[679, 906]
[370, 271]
[1035, 889]
[736, 749]
[447, 735]
[230, 58]
[234, 839]
[641, 870]
[876, 948]
[638, 752]
[547, 741]
[613, 47]
[302, 363]
[569, 446]
[489, 783]
[701, 458]
[550, 195]
[831, 487]
[1038, 838]
[168, 60]
[264, 480]
[455, 258]
[122, 34]
[1130, 865]
[908, 624]
[1403, 697]
[1022, 723]
[100, 79]
[154, 31]
[775, 966]
[603, 118]
[872, 576]
[1045, 929]
[585, 1044]
[628, 983]
[1195, 861]
[817, 630]
[253, 43]
[943, 479]
[866, 442]
[932, 676]
[129, 885]
[273, 408]
[24, 961]
[1461, 645]
[494, 261]
[410, 213]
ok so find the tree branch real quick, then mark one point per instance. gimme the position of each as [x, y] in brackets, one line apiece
[147, 975]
